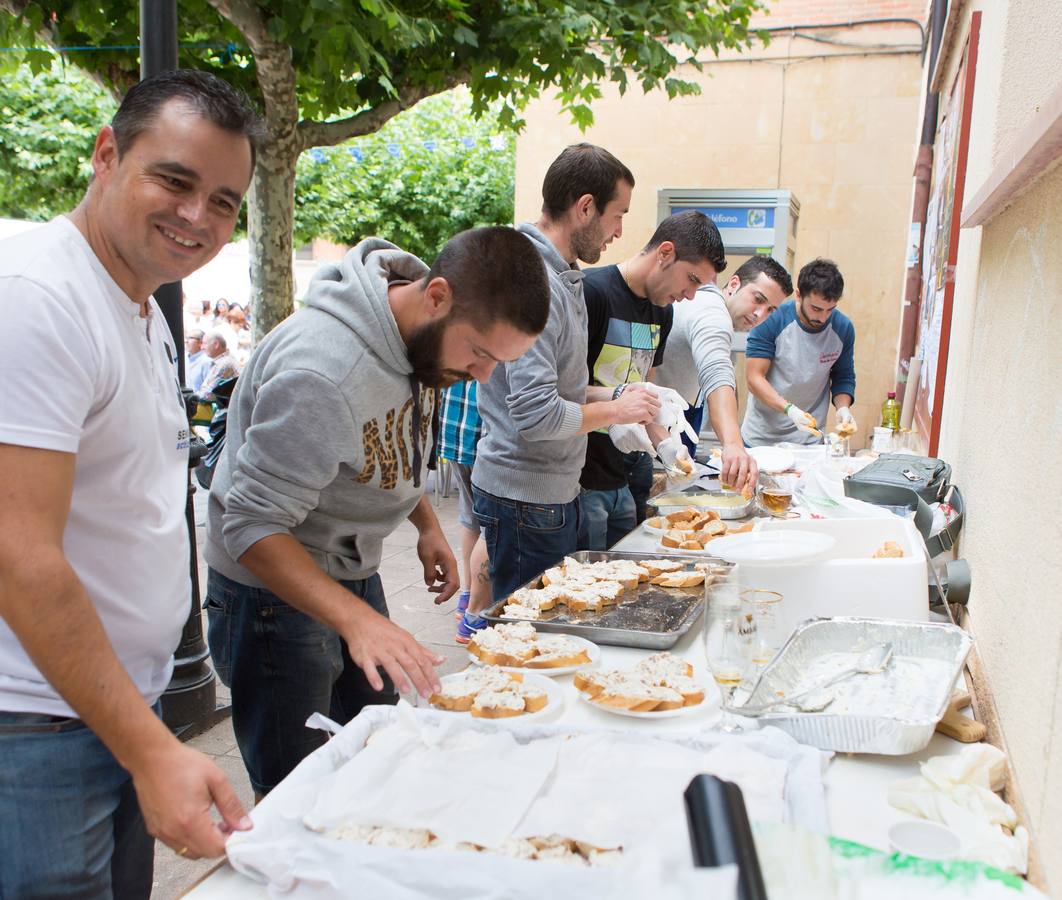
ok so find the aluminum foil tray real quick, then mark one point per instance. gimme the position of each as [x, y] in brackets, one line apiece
[651, 617]
[903, 716]
[702, 500]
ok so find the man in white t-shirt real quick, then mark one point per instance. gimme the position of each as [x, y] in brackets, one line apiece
[94, 550]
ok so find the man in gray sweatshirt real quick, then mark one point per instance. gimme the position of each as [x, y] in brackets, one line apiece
[326, 431]
[537, 410]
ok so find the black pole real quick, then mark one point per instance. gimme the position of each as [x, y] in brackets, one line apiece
[189, 704]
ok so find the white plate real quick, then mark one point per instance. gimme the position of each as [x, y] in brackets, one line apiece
[772, 459]
[705, 551]
[632, 714]
[772, 548]
[554, 694]
[592, 650]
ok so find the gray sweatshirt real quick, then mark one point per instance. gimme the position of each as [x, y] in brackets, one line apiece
[698, 358]
[322, 440]
[531, 449]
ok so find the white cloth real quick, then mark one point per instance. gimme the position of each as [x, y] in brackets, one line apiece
[958, 791]
[83, 373]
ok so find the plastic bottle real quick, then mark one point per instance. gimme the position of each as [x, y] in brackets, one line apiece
[890, 413]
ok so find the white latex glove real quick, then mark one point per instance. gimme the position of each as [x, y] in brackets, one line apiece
[630, 438]
[672, 411]
[804, 421]
[846, 420]
[676, 459]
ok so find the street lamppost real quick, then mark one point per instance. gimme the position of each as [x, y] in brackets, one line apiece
[189, 705]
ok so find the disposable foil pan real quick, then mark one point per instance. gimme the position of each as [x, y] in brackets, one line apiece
[890, 729]
[650, 616]
[670, 501]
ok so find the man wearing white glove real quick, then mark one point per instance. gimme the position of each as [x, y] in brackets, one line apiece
[628, 320]
[798, 360]
[699, 365]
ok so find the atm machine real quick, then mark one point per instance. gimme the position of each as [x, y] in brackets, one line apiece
[750, 222]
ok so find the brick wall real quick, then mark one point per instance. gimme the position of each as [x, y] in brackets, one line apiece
[817, 12]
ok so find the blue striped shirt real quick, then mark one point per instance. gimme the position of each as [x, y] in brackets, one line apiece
[459, 423]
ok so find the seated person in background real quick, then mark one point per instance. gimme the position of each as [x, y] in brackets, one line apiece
[629, 316]
[240, 345]
[222, 365]
[698, 363]
[798, 359]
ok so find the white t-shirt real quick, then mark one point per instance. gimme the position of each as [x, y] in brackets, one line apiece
[81, 372]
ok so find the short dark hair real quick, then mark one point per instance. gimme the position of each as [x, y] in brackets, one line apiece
[695, 238]
[822, 277]
[495, 274]
[215, 100]
[754, 266]
[582, 169]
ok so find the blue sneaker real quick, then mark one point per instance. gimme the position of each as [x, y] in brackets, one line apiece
[470, 623]
[462, 605]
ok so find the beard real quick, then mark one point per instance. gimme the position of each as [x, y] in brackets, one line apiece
[425, 355]
[588, 242]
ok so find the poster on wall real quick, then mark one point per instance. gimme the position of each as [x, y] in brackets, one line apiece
[942, 240]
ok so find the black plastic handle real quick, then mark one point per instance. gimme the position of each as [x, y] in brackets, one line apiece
[720, 833]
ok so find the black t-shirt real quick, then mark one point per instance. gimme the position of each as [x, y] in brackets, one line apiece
[626, 336]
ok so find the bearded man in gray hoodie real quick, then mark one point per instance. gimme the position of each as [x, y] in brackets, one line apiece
[537, 411]
[323, 457]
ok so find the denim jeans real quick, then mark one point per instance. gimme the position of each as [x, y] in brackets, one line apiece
[523, 539]
[281, 666]
[70, 825]
[640, 482]
[605, 517]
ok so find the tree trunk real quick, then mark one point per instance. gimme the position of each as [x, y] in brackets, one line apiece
[270, 219]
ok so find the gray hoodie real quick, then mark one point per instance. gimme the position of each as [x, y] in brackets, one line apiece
[531, 449]
[321, 438]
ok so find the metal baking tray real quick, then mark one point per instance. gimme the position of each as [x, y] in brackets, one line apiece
[903, 718]
[651, 617]
[689, 498]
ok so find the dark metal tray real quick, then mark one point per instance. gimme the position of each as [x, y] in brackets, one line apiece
[651, 617]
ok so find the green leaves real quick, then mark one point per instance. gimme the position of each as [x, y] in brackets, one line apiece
[427, 174]
[48, 124]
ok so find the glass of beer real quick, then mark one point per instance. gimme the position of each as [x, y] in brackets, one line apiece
[775, 497]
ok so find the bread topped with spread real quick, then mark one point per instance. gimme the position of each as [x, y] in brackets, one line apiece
[658, 683]
[487, 692]
[518, 645]
[594, 586]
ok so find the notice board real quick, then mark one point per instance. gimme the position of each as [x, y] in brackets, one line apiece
[942, 241]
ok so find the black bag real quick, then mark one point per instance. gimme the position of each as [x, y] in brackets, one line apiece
[911, 482]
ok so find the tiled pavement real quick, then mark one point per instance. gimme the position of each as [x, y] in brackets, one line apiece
[411, 606]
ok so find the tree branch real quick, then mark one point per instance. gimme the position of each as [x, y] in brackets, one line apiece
[325, 134]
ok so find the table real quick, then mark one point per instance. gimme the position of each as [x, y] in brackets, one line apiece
[856, 785]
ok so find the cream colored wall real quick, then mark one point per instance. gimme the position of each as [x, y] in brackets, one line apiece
[1002, 419]
[838, 132]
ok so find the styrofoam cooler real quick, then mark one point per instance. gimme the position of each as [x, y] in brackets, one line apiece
[847, 580]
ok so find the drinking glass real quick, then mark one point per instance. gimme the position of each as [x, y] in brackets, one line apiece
[728, 632]
[767, 639]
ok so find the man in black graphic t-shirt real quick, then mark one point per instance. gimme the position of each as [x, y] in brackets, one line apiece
[628, 319]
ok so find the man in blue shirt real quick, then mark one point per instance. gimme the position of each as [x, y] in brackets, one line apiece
[798, 359]
[196, 361]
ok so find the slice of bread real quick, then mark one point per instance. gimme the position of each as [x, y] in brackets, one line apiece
[679, 579]
[497, 705]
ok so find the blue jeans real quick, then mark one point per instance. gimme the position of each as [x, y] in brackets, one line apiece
[640, 481]
[70, 825]
[523, 539]
[282, 666]
[605, 517]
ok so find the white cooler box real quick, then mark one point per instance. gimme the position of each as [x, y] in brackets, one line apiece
[847, 580]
